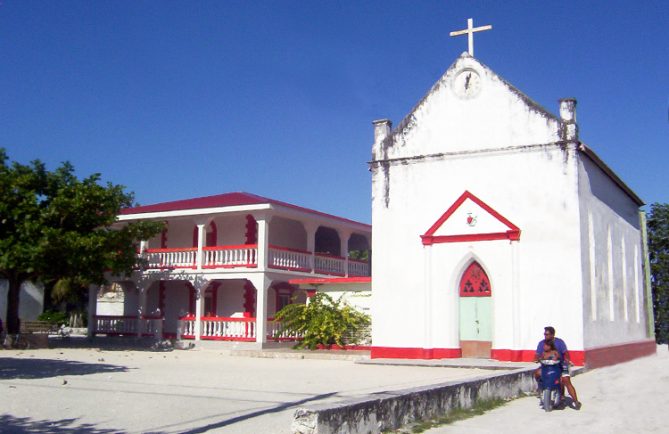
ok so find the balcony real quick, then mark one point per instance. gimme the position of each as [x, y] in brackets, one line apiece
[246, 256]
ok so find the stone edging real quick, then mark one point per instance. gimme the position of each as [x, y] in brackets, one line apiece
[391, 410]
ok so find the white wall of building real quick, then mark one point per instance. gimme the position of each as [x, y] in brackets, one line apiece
[230, 302]
[287, 233]
[614, 299]
[31, 300]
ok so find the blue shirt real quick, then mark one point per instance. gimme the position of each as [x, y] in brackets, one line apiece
[560, 346]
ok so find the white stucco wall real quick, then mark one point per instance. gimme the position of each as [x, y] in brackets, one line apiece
[287, 233]
[31, 300]
[614, 299]
[230, 302]
[231, 230]
[546, 260]
[356, 295]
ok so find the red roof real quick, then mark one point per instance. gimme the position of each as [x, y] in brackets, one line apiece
[223, 200]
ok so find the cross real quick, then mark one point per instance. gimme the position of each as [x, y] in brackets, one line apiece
[470, 33]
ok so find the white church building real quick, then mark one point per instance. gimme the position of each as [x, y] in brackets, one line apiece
[491, 220]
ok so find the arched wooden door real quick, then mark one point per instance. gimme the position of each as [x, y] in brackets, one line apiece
[475, 312]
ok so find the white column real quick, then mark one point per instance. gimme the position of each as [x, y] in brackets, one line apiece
[262, 284]
[344, 236]
[516, 298]
[310, 228]
[201, 233]
[263, 240]
[200, 287]
[92, 308]
[142, 289]
[427, 297]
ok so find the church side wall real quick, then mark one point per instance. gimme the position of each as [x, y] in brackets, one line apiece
[613, 303]
[534, 281]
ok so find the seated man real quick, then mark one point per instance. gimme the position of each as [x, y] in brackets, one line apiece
[561, 347]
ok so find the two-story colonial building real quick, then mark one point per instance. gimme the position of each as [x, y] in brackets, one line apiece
[222, 267]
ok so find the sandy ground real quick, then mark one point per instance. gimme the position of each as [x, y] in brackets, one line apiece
[631, 397]
[104, 391]
[122, 391]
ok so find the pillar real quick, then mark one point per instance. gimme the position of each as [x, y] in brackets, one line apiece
[344, 236]
[200, 286]
[262, 284]
[310, 228]
[142, 288]
[201, 233]
[263, 240]
[92, 308]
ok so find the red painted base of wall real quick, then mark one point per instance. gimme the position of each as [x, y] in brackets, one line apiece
[577, 356]
[344, 348]
[605, 356]
[592, 358]
[415, 353]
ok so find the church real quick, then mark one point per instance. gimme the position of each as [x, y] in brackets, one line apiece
[492, 220]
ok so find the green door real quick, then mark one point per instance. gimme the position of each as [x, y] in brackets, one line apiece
[475, 313]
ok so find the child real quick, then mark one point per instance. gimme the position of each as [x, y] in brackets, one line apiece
[550, 353]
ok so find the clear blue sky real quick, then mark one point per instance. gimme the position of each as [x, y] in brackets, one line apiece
[178, 99]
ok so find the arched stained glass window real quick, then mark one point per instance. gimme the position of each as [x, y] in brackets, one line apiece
[475, 282]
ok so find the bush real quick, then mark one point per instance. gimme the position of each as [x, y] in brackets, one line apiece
[324, 321]
[54, 317]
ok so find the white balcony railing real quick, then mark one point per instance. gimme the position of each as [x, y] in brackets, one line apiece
[230, 256]
[289, 259]
[328, 264]
[231, 329]
[171, 258]
[246, 256]
[127, 325]
[358, 268]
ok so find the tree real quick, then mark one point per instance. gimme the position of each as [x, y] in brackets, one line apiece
[58, 229]
[323, 321]
[658, 249]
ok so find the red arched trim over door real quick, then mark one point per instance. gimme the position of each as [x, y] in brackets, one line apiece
[475, 312]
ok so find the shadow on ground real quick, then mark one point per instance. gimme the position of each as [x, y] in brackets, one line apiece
[275, 409]
[19, 425]
[110, 343]
[30, 368]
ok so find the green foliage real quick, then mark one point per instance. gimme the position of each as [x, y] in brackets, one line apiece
[658, 249]
[359, 255]
[54, 317]
[324, 321]
[58, 229]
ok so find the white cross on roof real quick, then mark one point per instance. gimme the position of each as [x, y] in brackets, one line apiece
[469, 31]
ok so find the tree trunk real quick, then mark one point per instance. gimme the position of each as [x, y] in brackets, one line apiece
[13, 305]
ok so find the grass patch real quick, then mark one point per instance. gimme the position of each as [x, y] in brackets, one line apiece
[457, 414]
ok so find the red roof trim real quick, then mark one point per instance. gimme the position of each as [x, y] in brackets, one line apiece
[224, 200]
[329, 280]
[429, 238]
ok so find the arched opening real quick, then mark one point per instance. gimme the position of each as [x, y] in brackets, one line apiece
[475, 305]
[327, 241]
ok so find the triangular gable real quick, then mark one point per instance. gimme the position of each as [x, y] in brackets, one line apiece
[470, 219]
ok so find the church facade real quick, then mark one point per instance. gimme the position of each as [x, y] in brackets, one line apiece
[491, 220]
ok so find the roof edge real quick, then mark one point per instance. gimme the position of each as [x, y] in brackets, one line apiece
[582, 147]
